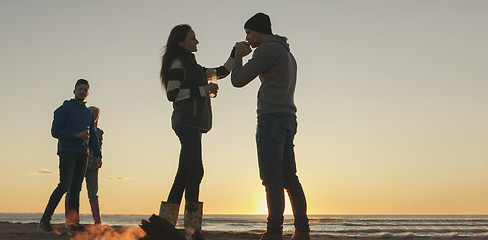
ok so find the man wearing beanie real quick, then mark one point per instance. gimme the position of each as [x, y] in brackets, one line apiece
[276, 67]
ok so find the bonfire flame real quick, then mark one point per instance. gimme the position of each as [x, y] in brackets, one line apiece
[103, 232]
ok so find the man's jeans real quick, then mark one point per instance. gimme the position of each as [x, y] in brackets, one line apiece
[190, 167]
[72, 167]
[277, 168]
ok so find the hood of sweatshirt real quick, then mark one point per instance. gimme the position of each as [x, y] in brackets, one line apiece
[281, 40]
[73, 101]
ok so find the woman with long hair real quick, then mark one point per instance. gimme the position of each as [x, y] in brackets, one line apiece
[186, 85]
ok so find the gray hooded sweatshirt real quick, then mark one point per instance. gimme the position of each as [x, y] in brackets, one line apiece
[277, 70]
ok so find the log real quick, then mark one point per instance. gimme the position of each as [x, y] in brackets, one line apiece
[158, 228]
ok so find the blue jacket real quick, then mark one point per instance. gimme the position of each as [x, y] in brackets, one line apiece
[70, 119]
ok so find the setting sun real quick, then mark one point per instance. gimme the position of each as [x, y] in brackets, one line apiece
[390, 98]
[263, 208]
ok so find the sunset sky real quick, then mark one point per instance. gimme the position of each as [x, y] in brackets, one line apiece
[392, 100]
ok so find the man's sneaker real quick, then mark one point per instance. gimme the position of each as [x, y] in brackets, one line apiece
[46, 227]
[297, 235]
[76, 228]
[271, 236]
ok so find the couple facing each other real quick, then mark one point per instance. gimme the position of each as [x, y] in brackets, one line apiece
[186, 85]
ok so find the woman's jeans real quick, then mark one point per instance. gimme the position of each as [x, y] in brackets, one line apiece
[190, 167]
[72, 167]
[91, 176]
[92, 183]
[277, 169]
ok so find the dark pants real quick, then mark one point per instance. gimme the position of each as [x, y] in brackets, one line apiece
[92, 184]
[72, 167]
[190, 167]
[91, 176]
[277, 169]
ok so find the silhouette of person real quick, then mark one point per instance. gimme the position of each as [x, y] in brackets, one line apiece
[186, 85]
[74, 127]
[91, 174]
[276, 67]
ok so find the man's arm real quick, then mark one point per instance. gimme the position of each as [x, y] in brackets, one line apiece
[57, 128]
[261, 60]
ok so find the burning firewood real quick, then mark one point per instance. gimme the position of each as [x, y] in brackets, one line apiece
[158, 228]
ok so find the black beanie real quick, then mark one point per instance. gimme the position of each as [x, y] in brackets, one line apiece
[259, 23]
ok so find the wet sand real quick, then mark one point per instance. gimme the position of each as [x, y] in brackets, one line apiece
[29, 231]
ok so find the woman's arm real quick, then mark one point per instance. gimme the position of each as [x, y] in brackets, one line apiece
[224, 70]
[176, 77]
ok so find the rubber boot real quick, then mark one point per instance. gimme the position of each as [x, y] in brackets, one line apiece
[95, 209]
[193, 220]
[297, 235]
[169, 211]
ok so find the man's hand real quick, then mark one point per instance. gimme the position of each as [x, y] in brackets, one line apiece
[85, 135]
[242, 49]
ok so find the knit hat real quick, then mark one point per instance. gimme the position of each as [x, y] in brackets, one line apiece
[259, 23]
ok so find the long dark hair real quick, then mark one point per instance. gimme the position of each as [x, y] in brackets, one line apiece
[178, 34]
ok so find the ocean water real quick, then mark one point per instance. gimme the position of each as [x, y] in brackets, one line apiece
[326, 225]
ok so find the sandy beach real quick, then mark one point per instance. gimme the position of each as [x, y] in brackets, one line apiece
[29, 231]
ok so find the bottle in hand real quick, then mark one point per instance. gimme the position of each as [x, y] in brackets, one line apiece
[213, 79]
[86, 140]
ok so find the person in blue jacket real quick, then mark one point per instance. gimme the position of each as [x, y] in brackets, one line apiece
[73, 126]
